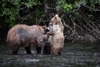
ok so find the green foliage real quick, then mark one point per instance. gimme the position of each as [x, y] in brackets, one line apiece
[90, 15]
[10, 9]
[38, 13]
[30, 3]
[63, 5]
[73, 6]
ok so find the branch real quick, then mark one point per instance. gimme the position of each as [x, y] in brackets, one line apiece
[90, 7]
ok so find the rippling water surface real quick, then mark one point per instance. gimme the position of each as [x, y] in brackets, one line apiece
[73, 55]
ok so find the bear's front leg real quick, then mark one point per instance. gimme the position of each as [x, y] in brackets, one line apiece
[47, 49]
[38, 49]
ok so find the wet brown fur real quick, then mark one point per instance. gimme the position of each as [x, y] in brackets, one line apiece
[22, 36]
[57, 39]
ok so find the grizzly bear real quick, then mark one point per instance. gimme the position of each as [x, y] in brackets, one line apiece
[55, 36]
[22, 36]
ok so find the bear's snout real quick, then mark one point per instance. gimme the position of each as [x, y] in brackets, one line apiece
[47, 29]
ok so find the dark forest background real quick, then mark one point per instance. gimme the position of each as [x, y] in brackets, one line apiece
[81, 18]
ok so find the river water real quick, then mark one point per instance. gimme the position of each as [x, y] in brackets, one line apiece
[73, 55]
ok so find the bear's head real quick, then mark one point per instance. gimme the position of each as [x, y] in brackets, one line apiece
[55, 20]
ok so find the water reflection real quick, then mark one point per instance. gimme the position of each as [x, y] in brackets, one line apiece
[74, 55]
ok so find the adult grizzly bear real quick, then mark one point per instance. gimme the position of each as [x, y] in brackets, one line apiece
[22, 36]
[55, 36]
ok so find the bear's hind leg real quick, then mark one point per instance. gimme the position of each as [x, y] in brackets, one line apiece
[15, 49]
[38, 49]
[55, 51]
[59, 51]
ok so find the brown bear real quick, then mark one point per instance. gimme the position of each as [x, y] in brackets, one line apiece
[22, 36]
[55, 36]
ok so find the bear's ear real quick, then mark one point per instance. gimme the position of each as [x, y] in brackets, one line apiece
[44, 26]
